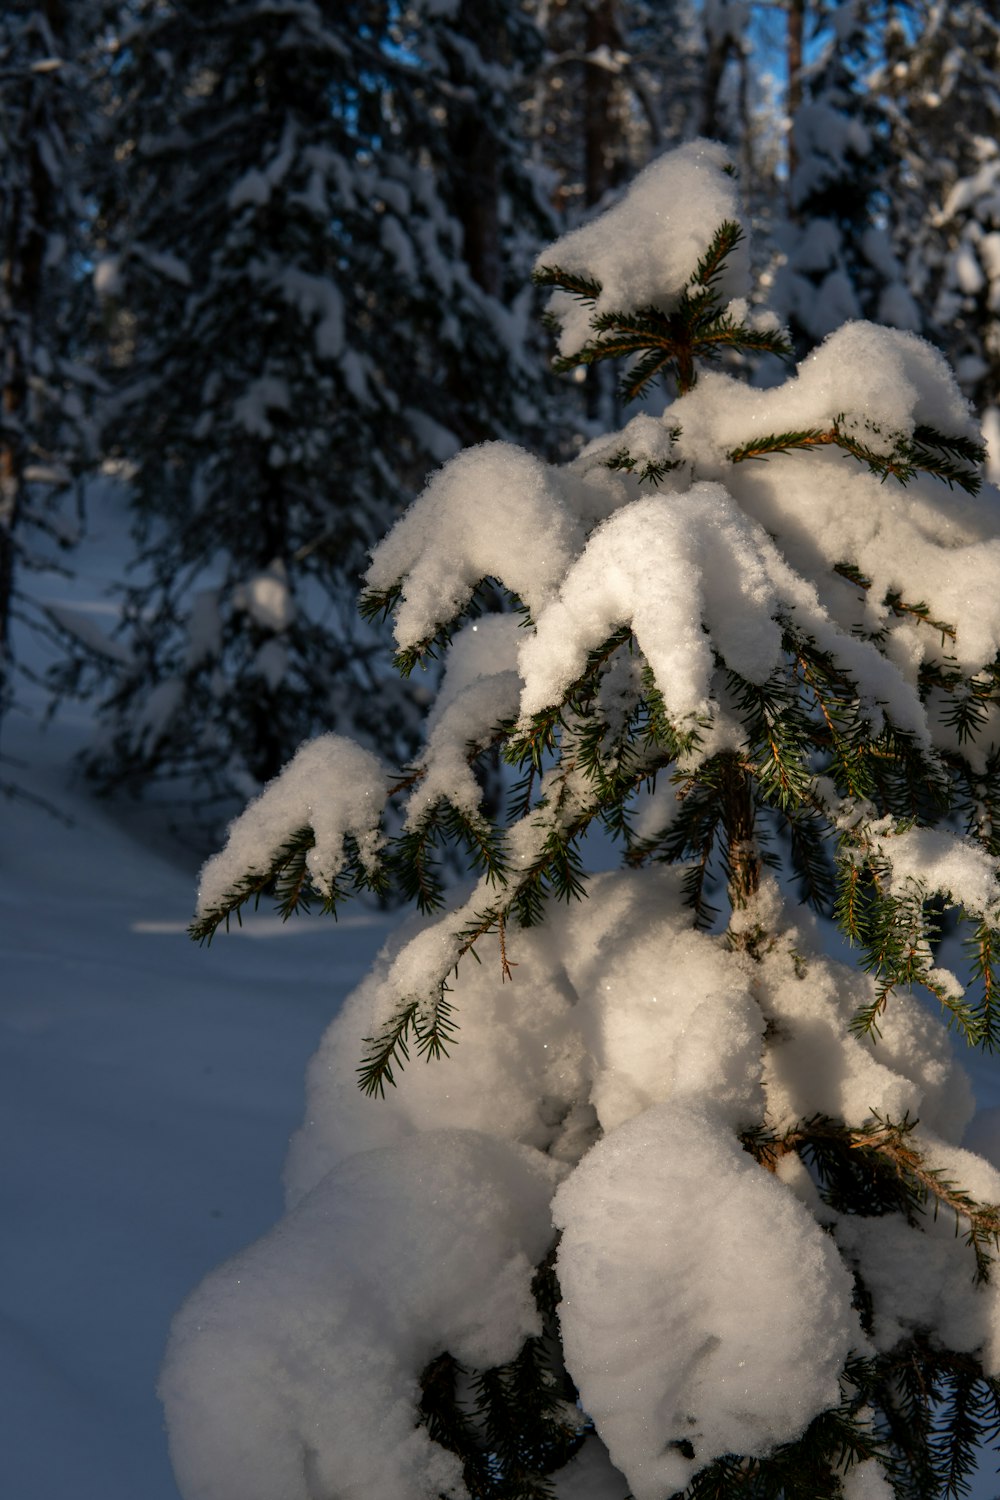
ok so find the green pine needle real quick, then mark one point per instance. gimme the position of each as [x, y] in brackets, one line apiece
[389, 1049]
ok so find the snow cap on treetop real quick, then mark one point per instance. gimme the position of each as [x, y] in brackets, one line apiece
[646, 248]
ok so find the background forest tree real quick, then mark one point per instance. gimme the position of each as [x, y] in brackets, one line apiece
[47, 327]
[283, 226]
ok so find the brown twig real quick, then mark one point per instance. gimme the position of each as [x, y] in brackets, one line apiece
[505, 963]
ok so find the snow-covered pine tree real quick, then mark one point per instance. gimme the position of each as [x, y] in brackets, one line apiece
[45, 389]
[684, 1211]
[839, 257]
[282, 239]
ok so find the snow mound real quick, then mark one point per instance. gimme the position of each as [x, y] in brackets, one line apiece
[729, 1328]
[288, 1358]
[664, 565]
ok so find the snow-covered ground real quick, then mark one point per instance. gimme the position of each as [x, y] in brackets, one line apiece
[149, 1090]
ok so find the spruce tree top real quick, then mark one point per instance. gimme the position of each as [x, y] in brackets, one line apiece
[753, 638]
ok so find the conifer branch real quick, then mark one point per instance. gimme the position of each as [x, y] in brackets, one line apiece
[505, 963]
[665, 342]
[967, 712]
[985, 959]
[895, 601]
[521, 794]
[967, 1421]
[524, 1423]
[971, 451]
[810, 1468]
[693, 836]
[780, 442]
[450, 1425]
[377, 604]
[557, 871]
[288, 878]
[896, 933]
[932, 453]
[669, 343]
[537, 741]
[888, 1173]
[387, 1049]
[921, 612]
[779, 738]
[481, 841]
[937, 1410]
[430, 1029]
[674, 742]
[651, 472]
[412, 860]
[587, 288]
[725, 333]
[812, 864]
[643, 373]
[712, 264]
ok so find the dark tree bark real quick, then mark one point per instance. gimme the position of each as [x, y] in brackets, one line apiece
[795, 33]
[26, 213]
[601, 154]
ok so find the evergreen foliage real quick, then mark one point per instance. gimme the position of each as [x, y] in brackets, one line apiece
[818, 756]
[660, 344]
[46, 390]
[290, 212]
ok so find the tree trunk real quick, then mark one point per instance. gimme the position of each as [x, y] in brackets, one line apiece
[27, 212]
[742, 857]
[718, 51]
[599, 127]
[479, 211]
[478, 169]
[796, 29]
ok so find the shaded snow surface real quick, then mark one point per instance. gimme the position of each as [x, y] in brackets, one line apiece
[149, 1090]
